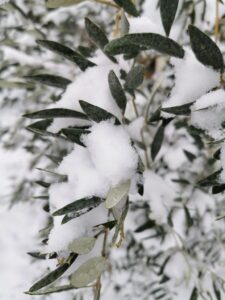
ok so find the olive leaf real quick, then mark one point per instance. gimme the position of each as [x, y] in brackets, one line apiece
[168, 9]
[117, 193]
[82, 245]
[51, 80]
[89, 271]
[59, 3]
[117, 91]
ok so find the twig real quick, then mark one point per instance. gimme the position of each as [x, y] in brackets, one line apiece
[216, 29]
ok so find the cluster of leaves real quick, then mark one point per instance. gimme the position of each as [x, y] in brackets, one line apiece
[132, 46]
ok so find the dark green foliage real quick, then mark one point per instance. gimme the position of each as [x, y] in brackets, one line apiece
[148, 225]
[205, 50]
[41, 125]
[216, 291]
[68, 53]
[211, 180]
[39, 255]
[54, 275]
[78, 208]
[51, 80]
[55, 113]
[74, 134]
[168, 9]
[180, 110]
[218, 189]
[52, 290]
[117, 91]
[194, 294]
[135, 77]
[144, 41]
[128, 6]
[189, 219]
[191, 157]
[157, 142]
[96, 113]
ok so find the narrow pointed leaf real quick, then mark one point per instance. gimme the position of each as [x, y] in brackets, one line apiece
[205, 50]
[194, 294]
[168, 9]
[135, 77]
[144, 41]
[128, 6]
[180, 110]
[117, 193]
[213, 179]
[51, 80]
[54, 275]
[79, 206]
[68, 53]
[52, 290]
[117, 91]
[157, 142]
[55, 113]
[75, 134]
[96, 113]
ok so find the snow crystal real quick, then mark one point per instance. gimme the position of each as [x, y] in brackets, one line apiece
[111, 152]
[160, 196]
[208, 113]
[193, 79]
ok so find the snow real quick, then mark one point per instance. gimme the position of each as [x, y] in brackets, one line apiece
[144, 24]
[111, 152]
[192, 80]
[91, 86]
[208, 113]
[108, 160]
[160, 195]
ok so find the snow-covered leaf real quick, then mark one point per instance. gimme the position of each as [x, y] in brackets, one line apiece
[96, 113]
[55, 113]
[54, 275]
[205, 50]
[89, 271]
[211, 180]
[59, 3]
[128, 6]
[168, 9]
[51, 80]
[117, 193]
[80, 206]
[82, 245]
[75, 134]
[117, 91]
[68, 53]
[124, 24]
[144, 41]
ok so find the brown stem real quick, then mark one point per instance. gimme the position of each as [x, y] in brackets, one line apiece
[216, 30]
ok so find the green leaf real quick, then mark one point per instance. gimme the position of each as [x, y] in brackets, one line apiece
[46, 133]
[119, 225]
[96, 113]
[189, 219]
[157, 142]
[128, 6]
[144, 41]
[124, 24]
[117, 193]
[147, 225]
[108, 225]
[117, 91]
[180, 110]
[75, 134]
[54, 275]
[82, 245]
[89, 271]
[52, 290]
[191, 157]
[60, 3]
[168, 9]
[15, 85]
[39, 255]
[51, 80]
[78, 208]
[97, 35]
[135, 77]
[205, 50]
[55, 113]
[218, 189]
[216, 291]
[41, 125]
[213, 179]
[68, 53]
[194, 294]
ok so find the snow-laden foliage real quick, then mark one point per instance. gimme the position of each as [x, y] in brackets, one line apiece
[134, 181]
